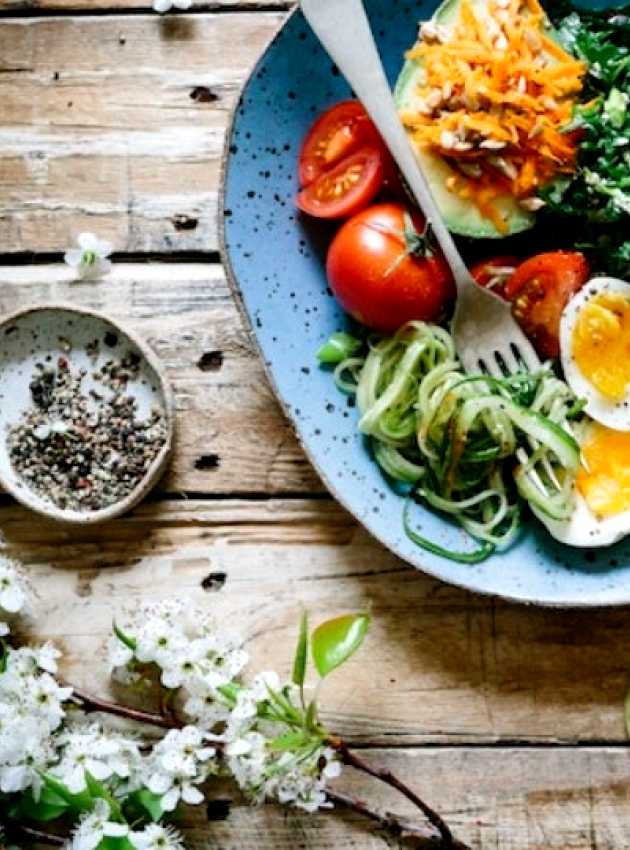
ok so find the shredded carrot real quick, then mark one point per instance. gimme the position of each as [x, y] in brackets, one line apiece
[500, 80]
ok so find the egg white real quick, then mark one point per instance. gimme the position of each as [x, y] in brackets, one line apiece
[584, 530]
[614, 414]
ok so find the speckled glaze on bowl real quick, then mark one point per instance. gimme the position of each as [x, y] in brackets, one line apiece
[275, 260]
[38, 334]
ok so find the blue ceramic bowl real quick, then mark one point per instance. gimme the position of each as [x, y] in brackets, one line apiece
[275, 259]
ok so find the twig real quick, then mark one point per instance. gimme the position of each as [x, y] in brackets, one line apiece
[397, 826]
[352, 760]
[91, 703]
[32, 834]
[439, 837]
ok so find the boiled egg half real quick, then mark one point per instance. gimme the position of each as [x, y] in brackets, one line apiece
[595, 350]
[601, 515]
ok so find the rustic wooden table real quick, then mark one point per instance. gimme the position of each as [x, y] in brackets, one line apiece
[507, 719]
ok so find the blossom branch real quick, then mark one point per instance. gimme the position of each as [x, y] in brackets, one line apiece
[91, 704]
[397, 826]
[384, 775]
[28, 832]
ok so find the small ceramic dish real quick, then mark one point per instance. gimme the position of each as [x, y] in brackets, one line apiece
[87, 340]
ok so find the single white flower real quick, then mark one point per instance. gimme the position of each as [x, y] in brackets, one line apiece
[46, 656]
[88, 749]
[96, 826]
[118, 653]
[173, 787]
[90, 259]
[156, 837]
[13, 594]
[178, 763]
[162, 6]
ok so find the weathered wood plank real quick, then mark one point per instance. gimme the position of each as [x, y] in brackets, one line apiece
[232, 436]
[494, 799]
[120, 5]
[440, 665]
[116, 124]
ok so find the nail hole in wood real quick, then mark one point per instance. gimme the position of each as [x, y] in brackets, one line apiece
[202, 94]
[218, 810]
[214, 581]
[181, 221]
[210, 361]
[208, 462]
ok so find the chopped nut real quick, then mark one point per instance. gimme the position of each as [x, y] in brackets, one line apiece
[431, 32]
[532, 204]
[501, 43]
[493, 145]
[448, 140]
[505, 167]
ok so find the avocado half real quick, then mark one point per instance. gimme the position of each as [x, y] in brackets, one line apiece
[461, 216]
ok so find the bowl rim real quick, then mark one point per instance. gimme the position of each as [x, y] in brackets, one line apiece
[157, 466]
[570, 603]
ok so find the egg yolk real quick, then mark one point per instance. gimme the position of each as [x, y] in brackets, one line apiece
[604, 478]
[601, 344]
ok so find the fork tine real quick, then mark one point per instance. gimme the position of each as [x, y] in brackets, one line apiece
[510, 360]
[492, 366]
[527, 354]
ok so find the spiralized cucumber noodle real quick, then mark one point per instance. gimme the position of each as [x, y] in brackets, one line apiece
[471, 447]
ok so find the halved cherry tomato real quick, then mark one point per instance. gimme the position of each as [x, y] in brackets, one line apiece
[340, 131]
[492, 274]
[383, 272]
[540, 289]
[346, 188]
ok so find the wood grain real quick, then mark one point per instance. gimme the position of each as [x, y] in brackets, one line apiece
[440, 665]
[116, 125]
[121, 5]
[495, 799]
[232, 437]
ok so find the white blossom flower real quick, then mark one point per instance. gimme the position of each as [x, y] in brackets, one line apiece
[178, 763]
[14, 594]
[192, 654]
[90, 259]
[162, 6]
[87, 748]
[96, 826]
[156, 837]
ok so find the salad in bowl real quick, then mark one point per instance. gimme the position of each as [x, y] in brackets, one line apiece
[521, 124]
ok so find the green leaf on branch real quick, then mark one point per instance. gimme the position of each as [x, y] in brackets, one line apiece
[130, 643]
[50, 806]
[98, 791]
[311, 717]
[112, 843]
[230, 692]
[77, 803]
[335, 641]
[4, 656]
[146, 804]
[301, 653]
[290, 741]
